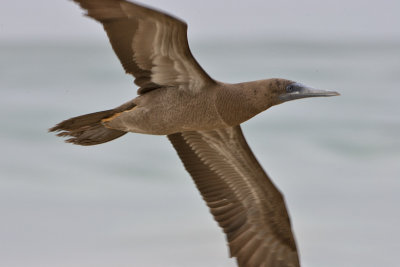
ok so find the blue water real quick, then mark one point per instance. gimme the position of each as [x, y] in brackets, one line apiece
[130, 202]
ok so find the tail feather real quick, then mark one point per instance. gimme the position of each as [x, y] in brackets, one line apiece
[87, 130]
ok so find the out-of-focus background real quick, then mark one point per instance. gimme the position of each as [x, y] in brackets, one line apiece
[130, 202]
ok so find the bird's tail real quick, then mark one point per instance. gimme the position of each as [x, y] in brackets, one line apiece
[88, 130]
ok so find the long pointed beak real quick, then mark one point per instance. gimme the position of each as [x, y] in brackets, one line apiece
[298, 90]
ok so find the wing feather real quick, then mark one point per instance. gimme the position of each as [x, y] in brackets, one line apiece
[151, 45]
[240, 195]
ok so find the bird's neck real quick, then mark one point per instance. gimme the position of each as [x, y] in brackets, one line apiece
[236, 103]
[259, 94]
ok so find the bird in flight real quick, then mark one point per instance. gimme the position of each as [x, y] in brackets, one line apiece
[201, 117]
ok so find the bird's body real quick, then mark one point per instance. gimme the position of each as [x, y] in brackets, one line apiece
[157, 112]
[201, 118]
[170, 110]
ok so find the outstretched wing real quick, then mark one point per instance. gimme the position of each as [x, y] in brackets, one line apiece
[240, 196]
[152, 46]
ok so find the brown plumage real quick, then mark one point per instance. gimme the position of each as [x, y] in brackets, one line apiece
[240, 195]
[201, 118]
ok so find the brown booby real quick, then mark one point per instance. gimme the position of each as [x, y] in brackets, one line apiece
[201, 117]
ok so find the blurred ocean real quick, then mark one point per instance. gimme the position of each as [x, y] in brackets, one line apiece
[130, 202]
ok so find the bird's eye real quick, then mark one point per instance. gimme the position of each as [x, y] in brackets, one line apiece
[289, 88]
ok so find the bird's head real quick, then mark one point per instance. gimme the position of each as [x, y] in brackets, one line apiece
[277, 91]
[251, 98]
[294, 90]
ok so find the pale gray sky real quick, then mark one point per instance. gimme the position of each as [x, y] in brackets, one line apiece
[339, 19]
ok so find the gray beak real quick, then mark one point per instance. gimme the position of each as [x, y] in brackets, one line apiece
[298, 90]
